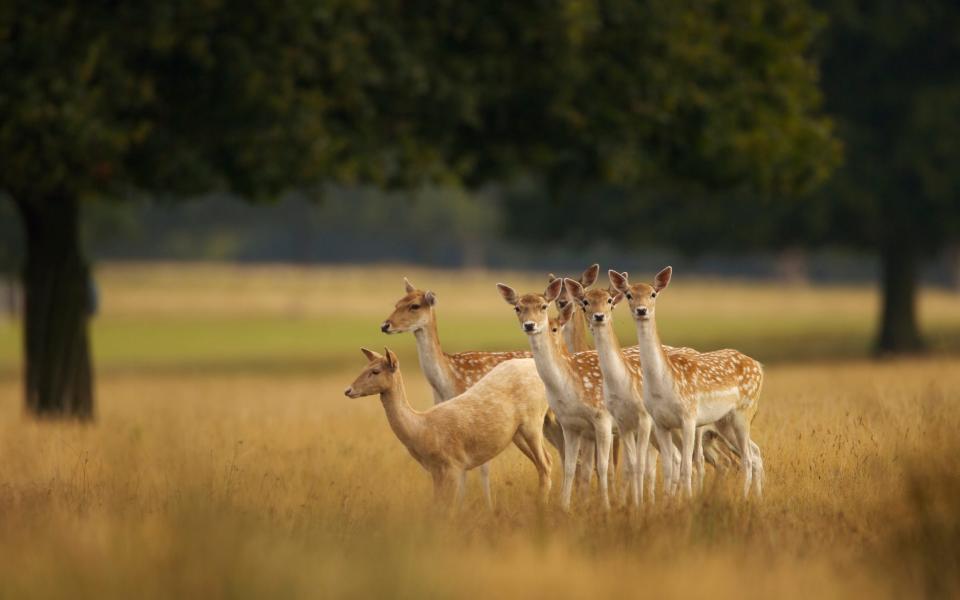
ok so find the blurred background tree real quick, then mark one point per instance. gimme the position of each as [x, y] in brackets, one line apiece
[118, 100]
[176, 99]
[890, 82]
[890, 77]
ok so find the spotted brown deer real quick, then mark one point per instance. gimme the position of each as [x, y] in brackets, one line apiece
[573, 383]
[575, 339]
[683, 391]
[575, 332]
[468, 430]
[623, 394]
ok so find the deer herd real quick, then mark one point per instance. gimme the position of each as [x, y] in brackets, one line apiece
[685, 407]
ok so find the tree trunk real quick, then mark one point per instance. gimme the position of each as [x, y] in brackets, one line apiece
[57, 303]
[899, 333]
[953, 266]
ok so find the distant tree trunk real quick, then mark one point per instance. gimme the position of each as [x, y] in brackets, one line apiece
[10, 296]
[953, 266]
[58, 379]
[899, 333]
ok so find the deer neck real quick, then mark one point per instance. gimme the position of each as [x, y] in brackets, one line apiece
[610, 355]
[433, 362]
[404, 421]
[657, 377]
[575, 334]
[553, 363]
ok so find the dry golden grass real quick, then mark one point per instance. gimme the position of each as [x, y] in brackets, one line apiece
[253, 482]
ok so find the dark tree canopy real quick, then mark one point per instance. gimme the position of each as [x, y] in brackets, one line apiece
[891, 85]
[891, 78]
[254, 98]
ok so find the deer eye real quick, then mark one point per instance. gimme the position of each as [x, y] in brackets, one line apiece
[653, 295]
[629, 296]
[586, 304]
[609, 300]
[554, 330]
[414, 306]
[544, 307]
[516, 309]
[375, 371]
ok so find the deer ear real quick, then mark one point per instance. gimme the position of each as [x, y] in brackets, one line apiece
[662, 279]
[565, 313]
[430, 298]
[508, 293]
[408, 286]
[553, 290]
[589, 276]
[573, 287]
[370, 354]
[617, 298]
[392, 362]
[618, 280]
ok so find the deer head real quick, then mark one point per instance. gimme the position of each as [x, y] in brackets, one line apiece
[587, 278]
[597, 304]
[411, 312]
[377, 377]
[642, 297]
[531, 309]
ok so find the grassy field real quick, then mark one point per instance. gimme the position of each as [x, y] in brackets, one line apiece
[225, 461]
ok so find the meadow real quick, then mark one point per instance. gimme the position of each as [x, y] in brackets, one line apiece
[226, 462]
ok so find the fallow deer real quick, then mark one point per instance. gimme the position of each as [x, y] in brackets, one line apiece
[573, 383]
[468, 430]
[575, 331]
[575, 339]
[682, 391]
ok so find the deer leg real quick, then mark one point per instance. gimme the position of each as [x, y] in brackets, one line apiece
[628, 487]
[688, 434]
[459, 489]
[485, 484]
[571, 450]
[615, 458]
[445, 483]
[665, 443]
[698, 466]
[521, 442]
[757, 469]
[586, 464]
[552, 431]
[741, 427]
[643, 451]
[651, 473]
[603, 429]
[540, 459]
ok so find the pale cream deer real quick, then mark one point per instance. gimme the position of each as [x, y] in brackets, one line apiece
[449, 375]
[468, 430]
[683, 391]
